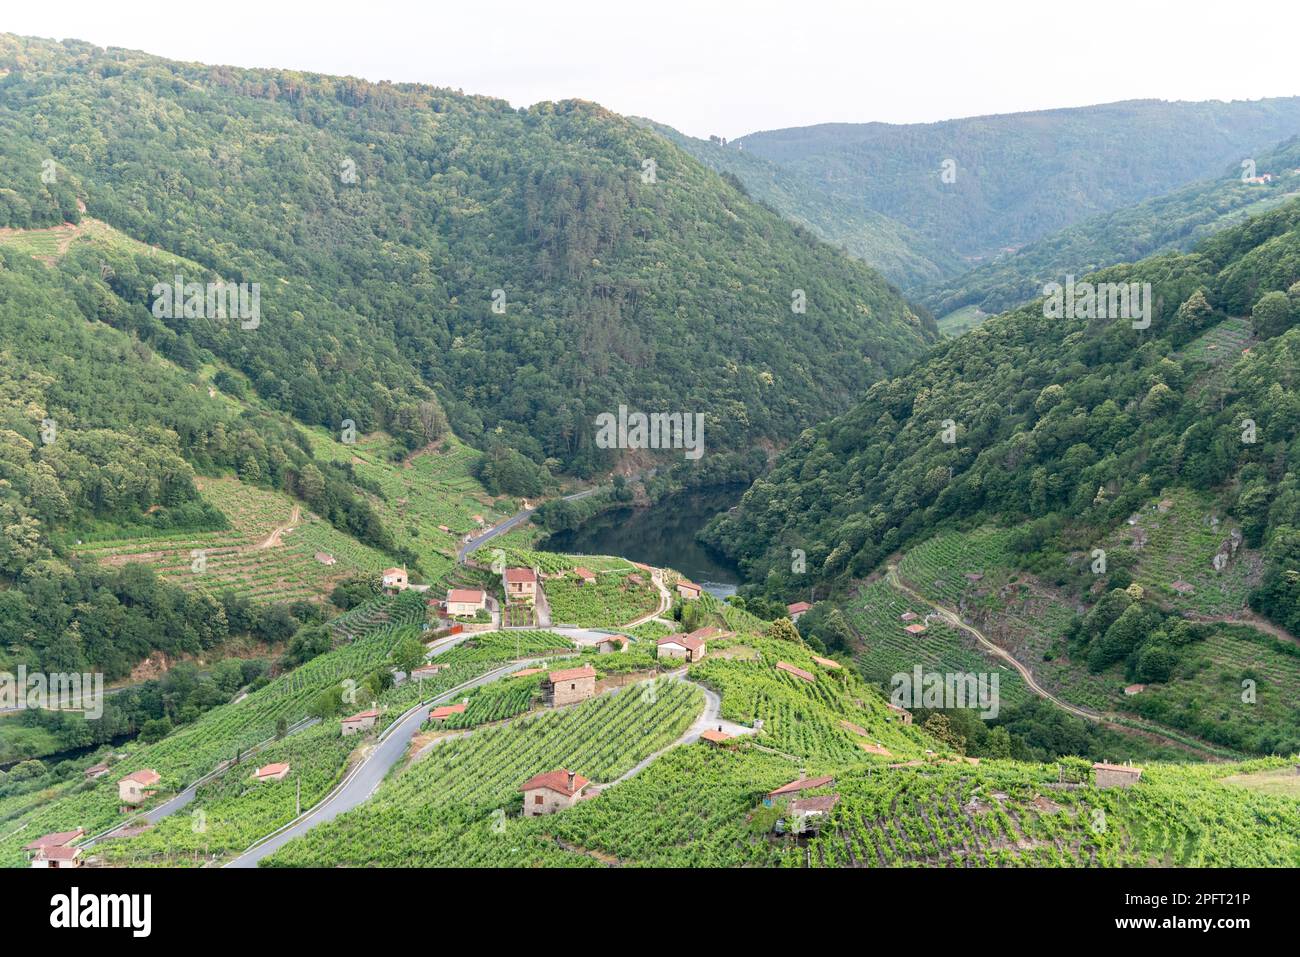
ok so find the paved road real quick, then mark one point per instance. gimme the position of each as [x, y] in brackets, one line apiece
[363, 779]
[512, 522]
[179, 801]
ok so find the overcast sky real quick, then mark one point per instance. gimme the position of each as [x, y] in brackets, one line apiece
[730, 66]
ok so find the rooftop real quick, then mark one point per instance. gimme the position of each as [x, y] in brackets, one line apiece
[561, 781]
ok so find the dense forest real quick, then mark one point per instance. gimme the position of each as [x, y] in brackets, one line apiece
[1063, 427]
[531, 268]
[879, 189]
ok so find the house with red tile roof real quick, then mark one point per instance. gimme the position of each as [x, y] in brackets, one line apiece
[689, 648]
[570, 685]
[797, 672]
[797, 787]
[361, 721]
[903, 714]
[57, 858]
[271, 772]
[717, 738]
[552, 791]
[135, 788]
[586, 574]
[1115, 775]
[797, 609]
[520, 584]
[825, 662]
[611, 643]
[915, 629]
[95, 771]
[466, 602]
[395, 580]
[57, 839]
[688, 590]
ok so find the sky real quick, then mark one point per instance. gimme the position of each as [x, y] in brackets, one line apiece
[730, 67]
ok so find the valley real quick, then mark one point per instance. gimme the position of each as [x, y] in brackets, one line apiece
[940, 576]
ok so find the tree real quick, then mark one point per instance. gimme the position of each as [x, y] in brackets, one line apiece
[1273, 315]
[939, 726]
[409, 654]
[155, 730]
[784, 629]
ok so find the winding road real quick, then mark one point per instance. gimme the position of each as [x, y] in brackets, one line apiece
[1109, 720]
[952, 618]
[360, 783]
[513, 521]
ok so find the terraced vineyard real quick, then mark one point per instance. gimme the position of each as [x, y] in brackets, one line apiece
[610, 601]
[875, 615]
[507, 646]
[1209, 695]
[1006, 814]
[423, 493]
[494, 702]
[802, 718]
[232, 811]
[942, 567]
[195, 749]
[1178, 543]
[467, 779]
[249, 558]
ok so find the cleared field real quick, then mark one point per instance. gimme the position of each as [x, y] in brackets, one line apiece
[1279, 782]
[1222, 344]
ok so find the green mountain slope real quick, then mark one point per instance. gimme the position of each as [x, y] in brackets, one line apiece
[1065, 426]
[1175, 221]
[1018, 177]
[899, 253]
[379, 221]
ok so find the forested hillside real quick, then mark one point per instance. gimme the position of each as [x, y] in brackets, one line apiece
[1014, 178]
[1174, 221]
[531, 268]
[1064, 428]
[902, 255]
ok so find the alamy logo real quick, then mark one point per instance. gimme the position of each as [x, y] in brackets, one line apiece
[658, 430]
[939, 691]
[73, 910]
[213, 300]
[58, 691]
[1103, 300]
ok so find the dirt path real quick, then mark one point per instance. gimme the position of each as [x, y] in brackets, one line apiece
[953, 619]
[1130, 725]
[273, 540]
[665, 600]
[1250, 620]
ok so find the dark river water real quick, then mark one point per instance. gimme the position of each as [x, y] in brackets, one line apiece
[660, 534]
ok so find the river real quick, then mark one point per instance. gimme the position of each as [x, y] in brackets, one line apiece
[662, 534]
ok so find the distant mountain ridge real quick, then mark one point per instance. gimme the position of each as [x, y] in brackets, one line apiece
[1173, 221]
[1018, 177]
